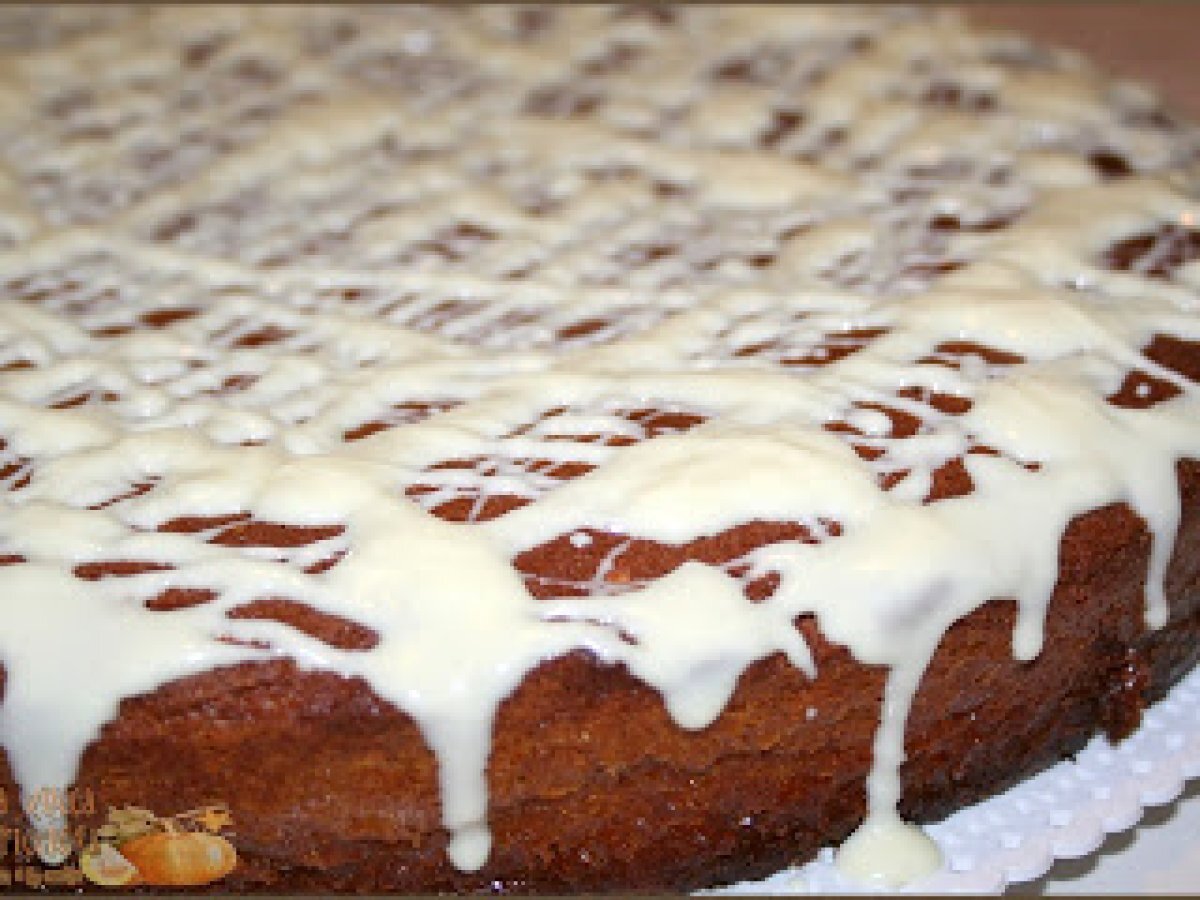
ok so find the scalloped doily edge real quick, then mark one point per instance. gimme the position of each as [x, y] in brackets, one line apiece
[1065, 812]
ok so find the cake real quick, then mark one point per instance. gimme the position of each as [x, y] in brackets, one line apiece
[554, 449]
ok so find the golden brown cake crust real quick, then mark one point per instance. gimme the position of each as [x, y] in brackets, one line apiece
[593, 786]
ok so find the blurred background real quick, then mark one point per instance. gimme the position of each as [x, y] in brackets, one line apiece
[1157, 42]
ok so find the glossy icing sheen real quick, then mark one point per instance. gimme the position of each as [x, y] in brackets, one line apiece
[405, 277]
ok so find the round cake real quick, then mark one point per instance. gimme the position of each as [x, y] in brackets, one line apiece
[580, 448]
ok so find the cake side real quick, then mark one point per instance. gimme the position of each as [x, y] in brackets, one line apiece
[333, 789]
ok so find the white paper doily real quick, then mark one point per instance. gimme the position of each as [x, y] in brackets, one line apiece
[1063, 813]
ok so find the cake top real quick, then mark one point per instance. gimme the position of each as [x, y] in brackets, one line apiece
[391, 340]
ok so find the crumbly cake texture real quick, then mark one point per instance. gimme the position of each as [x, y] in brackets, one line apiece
[581, 448]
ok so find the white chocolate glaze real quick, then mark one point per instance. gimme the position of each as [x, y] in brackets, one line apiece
[413, 279]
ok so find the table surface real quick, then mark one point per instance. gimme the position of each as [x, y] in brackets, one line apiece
[1153, 42]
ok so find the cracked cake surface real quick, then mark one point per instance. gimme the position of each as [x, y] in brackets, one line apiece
[550, 448]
